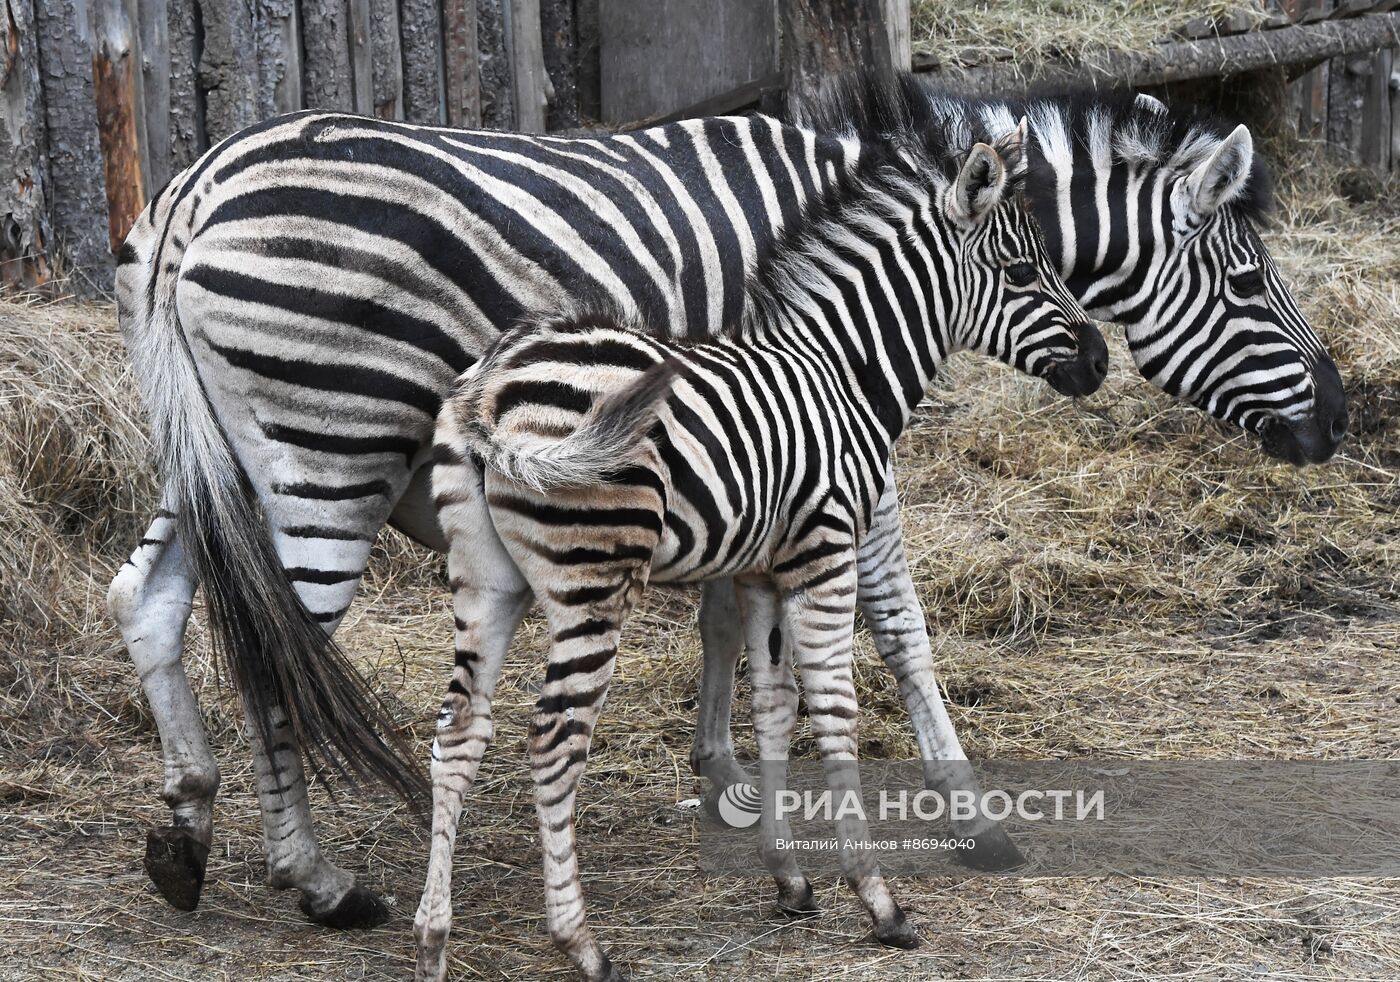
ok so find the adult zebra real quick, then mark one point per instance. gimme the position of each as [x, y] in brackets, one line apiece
[298, 302]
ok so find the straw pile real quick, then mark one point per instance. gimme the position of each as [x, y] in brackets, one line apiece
[1119, 577]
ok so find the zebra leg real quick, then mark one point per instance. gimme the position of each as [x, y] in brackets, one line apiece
[890, 603]
[150, 599]
[774, 717]
[821, 622]
[712, 753]
[489, 597]
[581, 663]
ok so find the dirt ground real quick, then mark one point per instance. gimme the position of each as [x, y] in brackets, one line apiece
[1118, 578]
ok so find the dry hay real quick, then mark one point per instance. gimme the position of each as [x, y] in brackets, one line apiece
[1118, 577]
[1035, 30]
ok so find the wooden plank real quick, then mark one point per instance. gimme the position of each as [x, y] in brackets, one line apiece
[532, 87]
[228, 68]
[497, 82]
[421, 33]
[1376, 114]
[325, 33]
[278, 57]
[388, 59]
[1184, 60]
[901, 38]
[558, 28]
[25, 233]
[154, 26]
[738, 99]
[657, 56]
[116, 81]
[186, 127]
[361, 58]
[590, 84]
[822, 38]
[1346, 96]
[463, 84]
[77, 193]
[1309, 91]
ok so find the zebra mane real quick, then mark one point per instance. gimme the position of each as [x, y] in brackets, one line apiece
[917, 113]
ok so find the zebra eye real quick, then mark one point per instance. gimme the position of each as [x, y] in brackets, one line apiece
[1021, 274]
[1250, 283]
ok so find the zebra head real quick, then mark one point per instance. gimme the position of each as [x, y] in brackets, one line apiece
[1220, 328]
[1014, 306]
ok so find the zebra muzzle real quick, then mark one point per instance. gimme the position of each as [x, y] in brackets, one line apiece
[1082, 374]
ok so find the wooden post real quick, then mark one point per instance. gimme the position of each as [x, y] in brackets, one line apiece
[325, 30]
[901, 39]
[558, 28]
[497, 84]
[154, 18]
[24, 222]
[361, 59]
[590, 81]
[532, 86]
[116, 80]
[186, 130]
[278, 57]
[822, 38]
[228, 68]
[463, 85]
[421, 31]
[388, 59]
[78, 197]
[1375, 114]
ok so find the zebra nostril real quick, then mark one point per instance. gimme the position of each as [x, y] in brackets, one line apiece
[1339, 428]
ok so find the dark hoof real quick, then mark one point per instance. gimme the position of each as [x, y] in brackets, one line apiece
[359, 908]
[899, 934]
[799, 903]
[175, 862]
[994, 852]
[611, 972]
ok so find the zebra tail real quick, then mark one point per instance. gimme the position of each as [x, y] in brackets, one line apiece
[604, 442]
[279, 658]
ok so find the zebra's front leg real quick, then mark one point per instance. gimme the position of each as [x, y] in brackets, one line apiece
[775, 705]
[892, 610]
[489, 597]
[150, 598]
[721, 638]
[821, 624]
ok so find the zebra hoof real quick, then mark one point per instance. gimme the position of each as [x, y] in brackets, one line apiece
[899, 933]
[175, 862]
[611, 973]
[994, 852]
[358, 909]
[798, 902]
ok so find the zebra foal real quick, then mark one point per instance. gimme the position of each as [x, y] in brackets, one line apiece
[583, 458]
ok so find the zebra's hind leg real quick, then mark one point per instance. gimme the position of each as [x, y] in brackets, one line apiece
[489, 597]
[712, 753]
[775, 706]
[821, 622]
[150, 599]
[891, 606]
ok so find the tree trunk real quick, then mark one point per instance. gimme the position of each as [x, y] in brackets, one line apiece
[559, 30]
[493, 65]
[822, 38]
[325, 28]
[462, 87]
[421, 30]
[186, 110]
[388, 59]
[278, 57]
[25, 233]
[228, 68]
[116, 77]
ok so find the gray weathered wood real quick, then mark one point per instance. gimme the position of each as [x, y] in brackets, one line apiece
[25, 233]
[117, 92]
[388, 59]
[558, 28]
[462, 82]
[186, 126]
[1346, 95]
[657, 56]
[154, 17]
[228, 68]
[1376, 114]
[325, 33]
[822, 38]
[421, 32]
[497, 84]
[532, 86]
[901, 39]
[278, 57]
[78, 195]
[1183, 60]
[361, 58]
[590, 84]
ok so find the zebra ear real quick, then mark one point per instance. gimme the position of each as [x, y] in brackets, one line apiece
[1220, 179]
[978, 187]
[1012, 149]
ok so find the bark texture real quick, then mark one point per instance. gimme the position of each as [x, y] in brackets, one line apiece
[228, 68]
[420, 32]
[24, 220]
[325, 26]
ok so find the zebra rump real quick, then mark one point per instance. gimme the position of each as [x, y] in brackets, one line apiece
[601, 444]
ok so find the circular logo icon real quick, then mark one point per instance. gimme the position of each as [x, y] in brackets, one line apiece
[740, 805]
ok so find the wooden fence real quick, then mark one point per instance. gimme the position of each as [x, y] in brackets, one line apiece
[101, 101]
